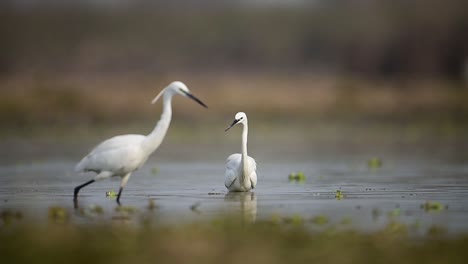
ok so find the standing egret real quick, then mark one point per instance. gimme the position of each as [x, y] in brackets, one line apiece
[240, 175]
[122, 155]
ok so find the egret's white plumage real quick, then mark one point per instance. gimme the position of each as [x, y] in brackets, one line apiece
[121, 155]
[240, 175]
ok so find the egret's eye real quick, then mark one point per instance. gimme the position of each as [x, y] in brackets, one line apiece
[241, 118]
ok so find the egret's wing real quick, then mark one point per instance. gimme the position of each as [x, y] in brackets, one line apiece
[113, 155]
[252, 164]
[232, 169]
[253, 179]
[253, 174]
[117, 142]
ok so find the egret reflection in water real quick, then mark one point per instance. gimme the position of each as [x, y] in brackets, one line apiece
[242, 203]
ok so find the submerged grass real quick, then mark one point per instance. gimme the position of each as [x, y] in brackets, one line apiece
[220, 241]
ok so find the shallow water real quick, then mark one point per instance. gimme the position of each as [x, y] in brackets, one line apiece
[193, 190]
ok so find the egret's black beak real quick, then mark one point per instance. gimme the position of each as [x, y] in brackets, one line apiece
[191, 96]
[233, 124]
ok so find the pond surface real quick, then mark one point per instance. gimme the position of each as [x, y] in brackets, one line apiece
[193, 189]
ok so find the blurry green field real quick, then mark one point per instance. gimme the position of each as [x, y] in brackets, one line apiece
[221, 241]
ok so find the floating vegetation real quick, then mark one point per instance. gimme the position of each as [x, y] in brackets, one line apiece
[339, 195]
[374, 163]
[320, 220]
[395, 212]
[297, 176]
[58, 215]
[432, 206]
[111, 194]
[215, 193]
[155, 170]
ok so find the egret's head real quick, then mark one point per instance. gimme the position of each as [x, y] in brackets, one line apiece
[178, 88]
[240, 117]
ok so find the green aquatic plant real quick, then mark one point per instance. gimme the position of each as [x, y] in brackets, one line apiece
[111, 194]
[432, 206]
[155, 170]
[339, 195]
[297, 176]
[395, 212]
[374, 163]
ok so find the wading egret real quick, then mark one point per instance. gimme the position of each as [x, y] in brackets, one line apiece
[122, 155]
[240, 175]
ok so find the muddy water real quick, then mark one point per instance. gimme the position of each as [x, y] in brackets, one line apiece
[193, 189]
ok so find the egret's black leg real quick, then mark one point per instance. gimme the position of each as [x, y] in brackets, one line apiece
[77, 188]
[118, 196]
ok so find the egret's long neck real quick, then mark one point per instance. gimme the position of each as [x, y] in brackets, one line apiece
[245, 161]
[154, 139]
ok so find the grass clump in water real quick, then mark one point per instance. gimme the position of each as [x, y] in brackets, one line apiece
[297, 176]
[339, 195]
[432, 206]
[111, 194]
[395, 212]
[374, 163]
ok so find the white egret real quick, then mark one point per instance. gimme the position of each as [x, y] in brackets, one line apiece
[240, 175]
[122, 155]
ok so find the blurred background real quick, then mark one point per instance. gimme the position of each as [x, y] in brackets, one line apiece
[310, 74]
